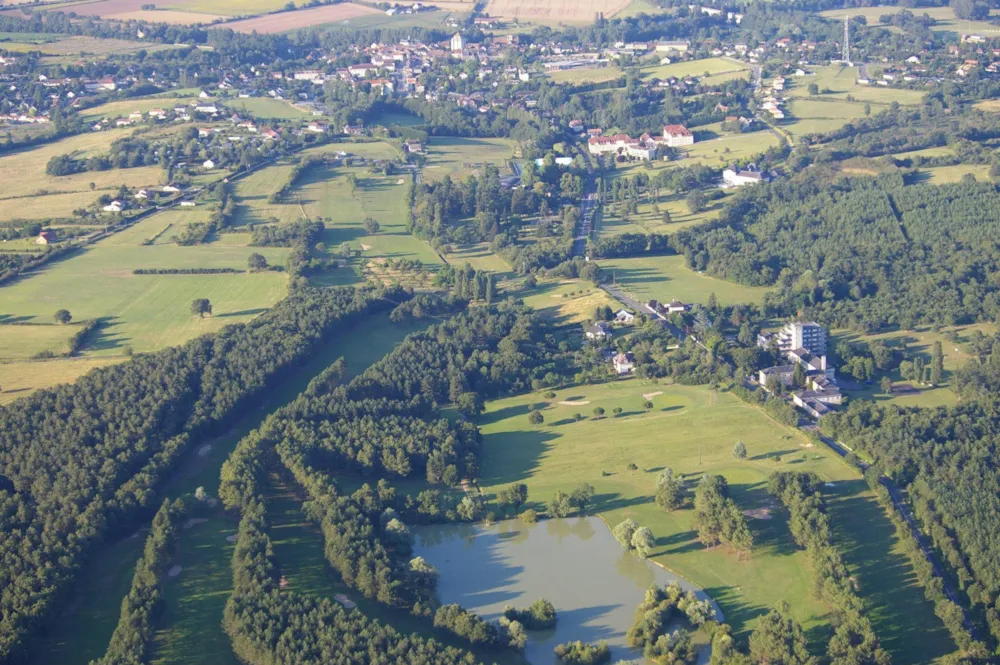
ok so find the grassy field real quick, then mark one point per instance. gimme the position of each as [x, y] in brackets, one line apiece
[567, 302]
[691, 430]
[585, 75]
[39, 195]
[945, 17]
[389, 119]
[920, 342]
[146, 311]
[479, 257]
[842, 81]
[79, 45]
[943, 151]
[20, 378]
[125, 106]
[266, 108]
[819, 115]
[459, 157]
[944, 174]
[325, 192]
[19, 342]
[647, 220]
[702, 67]
[722, 147]
[666, 277]
[190, 630]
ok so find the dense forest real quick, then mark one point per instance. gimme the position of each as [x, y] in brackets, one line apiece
[945, 457]
[80, 463]
[860, 252]
[386, 422]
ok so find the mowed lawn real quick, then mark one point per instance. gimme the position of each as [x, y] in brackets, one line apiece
[693, 430]
[147, 312]
[665, 278]
[460, 157]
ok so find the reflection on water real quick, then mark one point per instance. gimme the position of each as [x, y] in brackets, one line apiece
[575, 563]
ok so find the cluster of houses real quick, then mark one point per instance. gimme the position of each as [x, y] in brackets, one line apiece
[621, 362]
[802, 344]
[645, 147]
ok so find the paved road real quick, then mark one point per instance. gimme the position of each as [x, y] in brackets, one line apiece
[621, 296]
[588, 206]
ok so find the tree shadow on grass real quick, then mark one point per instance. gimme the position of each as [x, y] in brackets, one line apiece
[242, 312]
[773, 454]
[504, 413]
[738, 612]
[104, 338]
[510, 457]
[770, 535]
[902, 618]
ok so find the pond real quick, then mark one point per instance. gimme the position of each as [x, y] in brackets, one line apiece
[574, 563]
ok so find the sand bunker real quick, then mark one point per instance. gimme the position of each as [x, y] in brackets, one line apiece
[232, 539]
[579, 403]
[194, 520]
[651, 395]
[174, 572]
[758, 513]
[204, 450]
[806, 445]
[365, 248]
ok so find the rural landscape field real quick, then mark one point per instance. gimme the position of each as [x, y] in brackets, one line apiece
[516, 333]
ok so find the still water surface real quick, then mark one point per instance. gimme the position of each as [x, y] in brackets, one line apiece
[574, 563]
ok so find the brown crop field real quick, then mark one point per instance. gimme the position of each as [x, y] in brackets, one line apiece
[554, 11]
[185, 12]
[302, 18]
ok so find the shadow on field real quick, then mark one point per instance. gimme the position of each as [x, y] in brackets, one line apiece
[104, 338]
[242, 312]
[768, 534]
[514, 456]
[6, 319]
[604, 503]
[773, 454]
[636, 276]
[739, 613]
[901, 616]
[503, 414]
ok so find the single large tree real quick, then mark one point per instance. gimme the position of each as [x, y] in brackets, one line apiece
[371, 225]
[63, 316]
[201, 307]
[256, 262]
